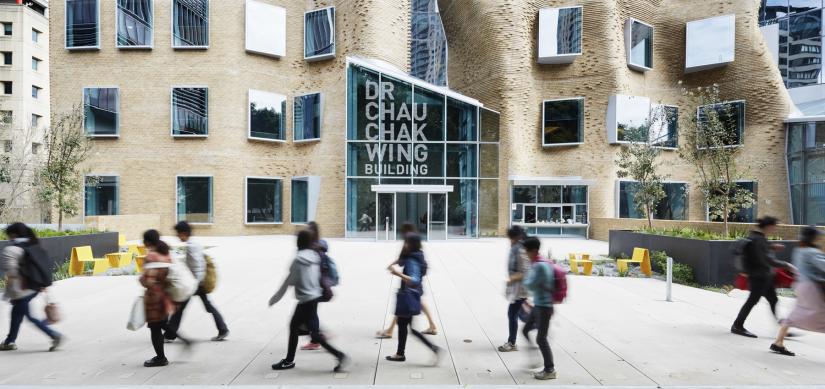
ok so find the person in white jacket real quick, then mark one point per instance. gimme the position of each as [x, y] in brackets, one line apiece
[197, 264]
[305, 277]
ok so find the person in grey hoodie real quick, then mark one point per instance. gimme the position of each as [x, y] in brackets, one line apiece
[518, 265]
[196, 262]
[305, 277]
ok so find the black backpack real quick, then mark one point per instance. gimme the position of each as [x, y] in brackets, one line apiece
[329, 277]
[35, 268]
[740, 251]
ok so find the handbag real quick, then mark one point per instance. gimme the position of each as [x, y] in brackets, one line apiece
[52, 310]
[783, 279]
[741, 281]
[407, 303]
[138, 316]
[525, 311]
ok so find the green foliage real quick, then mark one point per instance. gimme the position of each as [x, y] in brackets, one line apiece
[691, 233]
[682, 273]
[49, 233]
[62, 272]
[638, 161]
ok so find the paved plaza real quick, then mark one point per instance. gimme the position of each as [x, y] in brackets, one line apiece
[611, 331]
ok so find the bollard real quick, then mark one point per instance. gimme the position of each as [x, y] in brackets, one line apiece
[387, 228]
[669, 295]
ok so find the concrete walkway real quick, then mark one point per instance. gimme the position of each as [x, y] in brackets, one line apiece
[612, 331]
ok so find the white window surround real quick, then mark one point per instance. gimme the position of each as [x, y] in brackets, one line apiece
[741, 130]
[320, 57]
[628, 38]
[83, 102]
[547, 47]
[208, 30]
[313, 194]
[249, 118]
[66, 22]
[710, 43]
[117, 22]
[246, 198]
[616, 104]
[320, 118]
[541, 126]
[265, 29]
[172, 113]
[211, 211]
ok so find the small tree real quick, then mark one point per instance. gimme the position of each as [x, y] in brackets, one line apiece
[710, 138]
[61, 177]
[18, 168]
[638, 161]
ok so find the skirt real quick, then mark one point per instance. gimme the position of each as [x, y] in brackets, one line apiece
[809, 312]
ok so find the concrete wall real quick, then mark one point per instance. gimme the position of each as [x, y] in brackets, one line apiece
[600, 227]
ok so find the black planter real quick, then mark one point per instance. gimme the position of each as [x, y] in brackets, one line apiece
[711, 260]
[59, 248]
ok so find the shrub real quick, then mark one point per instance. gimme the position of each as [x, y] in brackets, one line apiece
[49, 233]
[691, 233]
[682, 273]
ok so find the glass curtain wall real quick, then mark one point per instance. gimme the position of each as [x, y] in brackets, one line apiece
[428, 43]
[806, 172]
[550, 209]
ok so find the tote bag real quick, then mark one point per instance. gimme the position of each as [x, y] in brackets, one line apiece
[137, 318]
[407, 303]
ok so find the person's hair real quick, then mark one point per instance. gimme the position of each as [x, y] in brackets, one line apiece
[315, 230]
[808, 236]
[515, 232]
[183, 228]
[20, 230]
[407, 228]
[412, 243]
[532, 244]
[162, 248]
[151, 237]
[304, 239]
[766, 221]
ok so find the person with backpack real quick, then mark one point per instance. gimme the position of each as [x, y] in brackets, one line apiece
[759, 263]
[158, 305]
[809, 311]
[329, 273]
[305, 277]
[518, 265]
[408, 299]
[197, 263]
[540, 281]
[28, 271]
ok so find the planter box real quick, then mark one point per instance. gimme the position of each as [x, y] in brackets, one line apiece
[711, 260]
[59, 248]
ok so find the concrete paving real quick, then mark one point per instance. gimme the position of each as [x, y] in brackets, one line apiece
[612, 331]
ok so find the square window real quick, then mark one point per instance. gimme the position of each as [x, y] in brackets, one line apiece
[101, 111]
[35, 63]
[639, 45]
[35, 120]
[134, 23]
[101, 195]
[745, 215]
[36, 148]
[36, 91]
[306, 117]
[672, 207]
[560, 35]
[190, 111]
[7, 28]
[300, 200]
[265, 29]
[6, 117]
[190, 24]
[194, 199]
[8, 146]
[35, 35]
[7, 87]
[727, 118]
[82, 24]
[627, 116]
[710, 43]
[263, 200]
[267, 115]
[563, 122]
[319, 34]
[7, 57]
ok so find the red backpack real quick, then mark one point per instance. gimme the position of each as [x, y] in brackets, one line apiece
[559, 291]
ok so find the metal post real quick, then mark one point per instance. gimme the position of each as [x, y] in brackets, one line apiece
[669, 279]
[387, 228]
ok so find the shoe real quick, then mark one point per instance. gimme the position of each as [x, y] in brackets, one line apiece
[221, 336]
[742, 331]
[8, 347]
[396, 358]
[545, 375]
[436, 355]
[507, 347]
[781, 350]
[311, 346]
[156, 362]
[383, 335]
[56, 342]
[430, 331]
[283, 365]
[343, 364]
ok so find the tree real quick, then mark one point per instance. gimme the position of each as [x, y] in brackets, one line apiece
[61, 177]
[638, 161]
[710, 140]
[18, 168]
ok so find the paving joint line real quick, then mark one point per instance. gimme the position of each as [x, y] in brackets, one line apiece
[443, 329]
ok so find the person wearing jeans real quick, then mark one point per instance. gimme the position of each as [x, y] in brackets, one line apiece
[517, 266]
[20, 310]
[540, 282]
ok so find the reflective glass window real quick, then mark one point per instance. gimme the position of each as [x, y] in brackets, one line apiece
[640, 45]
[306, 117]
[559, 34]
[190, 111]
[267, 115]
[462, 160]
[82, 24]
[462, 121]
[300, 201]
[672, 207]
[319, 33]
[194, 202]
[563, 122]
[462, 209]
[428, 116]
[101, 108]
[263, 200]
[134, 23]
[101, 195]
[361, 211]
[524, 194]
[190, 23]
[727, 116]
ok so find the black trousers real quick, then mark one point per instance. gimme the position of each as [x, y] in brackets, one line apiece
[174, 321]
[512, 319]
[405, 323]
[759, 287]
[156, 329]
[306, 315]
[541, 318]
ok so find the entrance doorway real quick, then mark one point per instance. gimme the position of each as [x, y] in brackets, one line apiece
[426, 211]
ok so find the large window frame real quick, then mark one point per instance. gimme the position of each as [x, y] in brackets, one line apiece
[118, 15]
[579, 212]
[332, 46]
[86, 192]
[211, 215]
[174, 21]
[172, 111]
[581, 104]
[295, 126]
[292, 198]
[281, 136]
[278, 207]
[741, 117]
[97, 28]
[549, 26]
[117, 113]
[753, 210]
[630, 25]
[618, 199]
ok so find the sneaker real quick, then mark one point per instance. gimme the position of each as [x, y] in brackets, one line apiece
[742, 331]
[343, 364]
[283, 365]
[311, 346]
[545, 375]
[221, 336]
[156, 362]
[507, 347]
[8, 347]
[56, 342]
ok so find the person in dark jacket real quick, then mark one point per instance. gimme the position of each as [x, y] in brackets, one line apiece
[413, 266]
[759, 262]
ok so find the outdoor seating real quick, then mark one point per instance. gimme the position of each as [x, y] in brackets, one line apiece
[139, 262]
[121, 240]
[640, 256]
[81, 255]
[585, 262]
[119, 259]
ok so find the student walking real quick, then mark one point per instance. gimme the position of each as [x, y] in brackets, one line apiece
[321, 247]
[196, 261]
[758, 263]
[809, 312]
[305, 277]
[518, 265]
[540, 282]
[28, 271]
[157, 304]
[408, 300]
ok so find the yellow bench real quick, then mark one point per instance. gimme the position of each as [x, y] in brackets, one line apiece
[121, 240]
[640, 256]
[119, 259]
[585, 262]
[81, 255]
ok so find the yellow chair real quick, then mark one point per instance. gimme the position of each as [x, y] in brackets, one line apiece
[141, 249]
[121, 240]
[585, 262]
[81, 255]
[640, 256]
[119, 259]
[139, 262]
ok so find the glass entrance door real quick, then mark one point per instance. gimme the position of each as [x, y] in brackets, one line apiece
[411, 208]
[385, 216]
[437, 228]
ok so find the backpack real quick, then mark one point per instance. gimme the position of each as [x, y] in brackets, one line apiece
[210, 280]
[739, 251]
[35, 268]
[180, 283]
[329, 277]
[559, 290]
